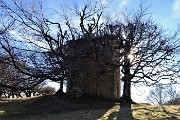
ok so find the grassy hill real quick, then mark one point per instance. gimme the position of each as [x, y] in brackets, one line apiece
[64, 108]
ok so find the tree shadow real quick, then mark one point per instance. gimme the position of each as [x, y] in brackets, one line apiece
[124, 113]
[121, 111]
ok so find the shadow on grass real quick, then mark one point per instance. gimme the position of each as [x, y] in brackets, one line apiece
[125, 112]
[51, 106]
[118, 112]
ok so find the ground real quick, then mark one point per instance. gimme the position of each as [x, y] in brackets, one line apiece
[66, 108]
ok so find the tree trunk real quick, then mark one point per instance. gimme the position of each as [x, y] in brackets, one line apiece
[60, 91]
[126, 97]
[28, 93]
[61, 86]
[1, 93]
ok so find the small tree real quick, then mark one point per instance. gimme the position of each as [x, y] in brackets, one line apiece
[161, 94]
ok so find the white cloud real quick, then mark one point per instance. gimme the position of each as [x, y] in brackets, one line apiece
[176, 8]
[28, 39]
[104, 2]
[123, 3]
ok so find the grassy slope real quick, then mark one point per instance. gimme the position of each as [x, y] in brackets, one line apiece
[16, 109]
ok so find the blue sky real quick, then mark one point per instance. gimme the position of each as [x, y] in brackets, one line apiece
[165, 12]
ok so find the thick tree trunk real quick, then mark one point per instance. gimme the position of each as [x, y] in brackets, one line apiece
[12, 94]
[60, 91]
[61, 86]
[126, 97]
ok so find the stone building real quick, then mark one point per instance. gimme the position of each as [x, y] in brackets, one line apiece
[93, 67]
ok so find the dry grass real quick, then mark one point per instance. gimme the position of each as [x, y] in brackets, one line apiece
[15, 109]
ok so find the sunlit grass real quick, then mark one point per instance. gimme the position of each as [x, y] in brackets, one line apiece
[142, 112]
[156, 112]
[2, 112]
[17, 99]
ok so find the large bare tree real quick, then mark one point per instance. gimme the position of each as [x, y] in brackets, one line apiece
[40, 41]
[30, 40]
[149, 53]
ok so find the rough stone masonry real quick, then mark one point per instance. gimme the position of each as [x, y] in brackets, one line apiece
[93, 67]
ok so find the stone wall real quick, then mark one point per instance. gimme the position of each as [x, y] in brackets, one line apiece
[93, 67]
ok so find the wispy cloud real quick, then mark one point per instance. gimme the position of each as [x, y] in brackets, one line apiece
[27, 40]
[176, 8]
[123, 3]
[104, 2]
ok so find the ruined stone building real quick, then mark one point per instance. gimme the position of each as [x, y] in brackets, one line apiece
[93, 67]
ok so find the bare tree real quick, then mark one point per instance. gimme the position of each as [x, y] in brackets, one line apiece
[10, 76]
[149, 53]
[173, 94]
[162, 94]
[157, 95]
[34, 29]
[35, 43]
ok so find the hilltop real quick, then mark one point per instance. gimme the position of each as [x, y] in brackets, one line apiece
[66, 108]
